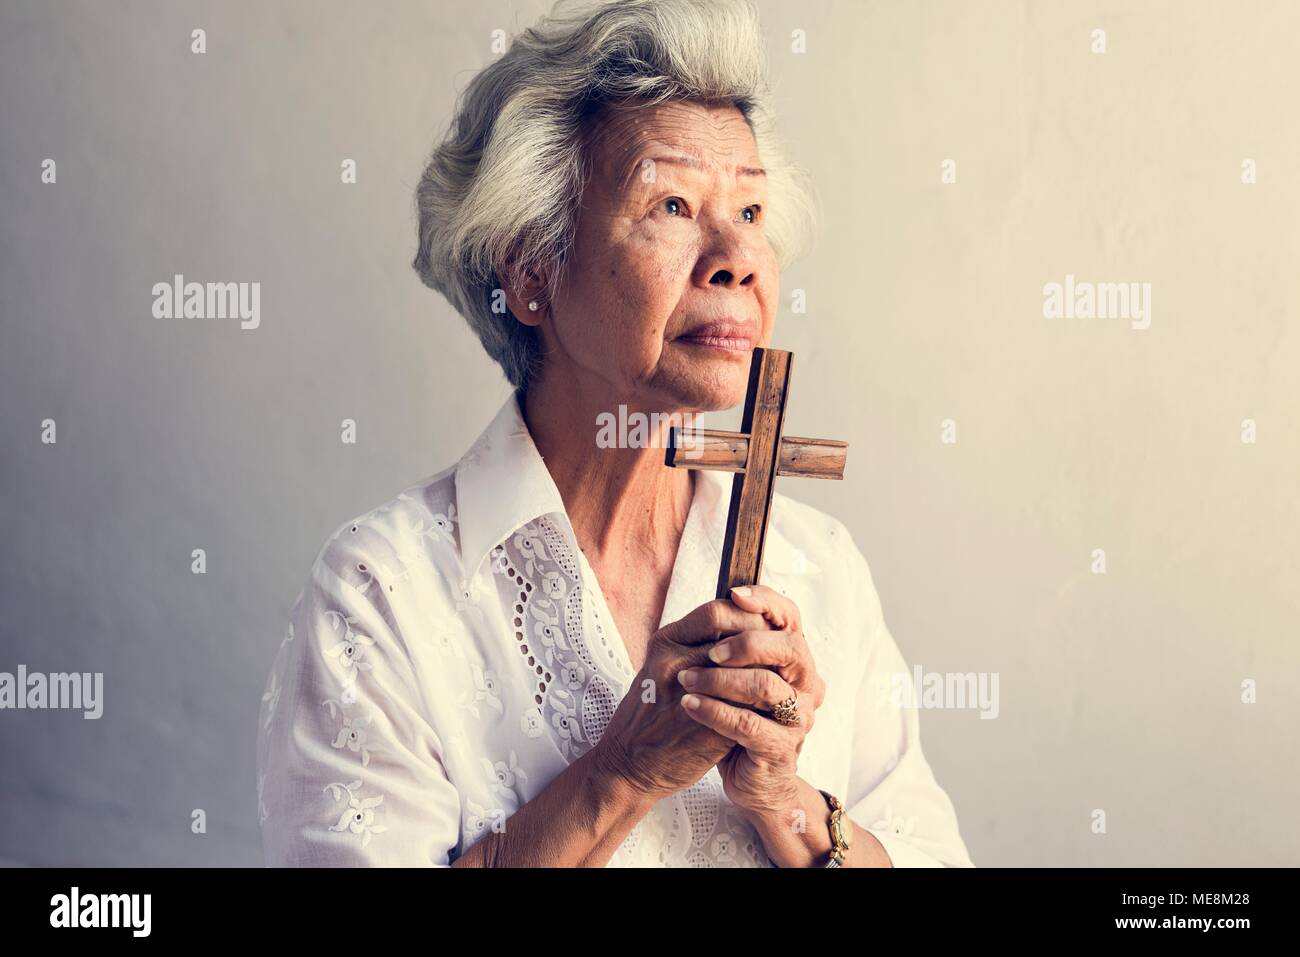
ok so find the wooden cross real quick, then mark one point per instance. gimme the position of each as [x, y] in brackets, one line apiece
[758, 453]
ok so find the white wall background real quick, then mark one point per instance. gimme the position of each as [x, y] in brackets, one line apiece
[1119, 691]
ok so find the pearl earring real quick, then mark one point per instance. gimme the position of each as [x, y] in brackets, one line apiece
[532, 306]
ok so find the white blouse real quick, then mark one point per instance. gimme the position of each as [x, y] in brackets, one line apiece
[451, 652]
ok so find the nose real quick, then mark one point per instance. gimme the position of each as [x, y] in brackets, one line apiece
[726, 259]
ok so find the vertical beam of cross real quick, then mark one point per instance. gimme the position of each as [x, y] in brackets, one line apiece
[758, 453]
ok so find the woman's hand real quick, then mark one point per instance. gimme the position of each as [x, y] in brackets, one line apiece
[651, 743]
[733, 693]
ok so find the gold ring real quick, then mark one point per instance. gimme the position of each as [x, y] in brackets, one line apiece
[787, 712]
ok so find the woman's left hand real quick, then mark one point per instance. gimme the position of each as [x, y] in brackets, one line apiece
[754, 670]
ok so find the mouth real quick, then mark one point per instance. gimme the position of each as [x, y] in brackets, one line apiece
[725, 335]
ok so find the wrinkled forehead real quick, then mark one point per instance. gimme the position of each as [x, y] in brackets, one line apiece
[711, 137]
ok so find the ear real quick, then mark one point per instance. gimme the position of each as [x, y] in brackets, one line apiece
[525, 288]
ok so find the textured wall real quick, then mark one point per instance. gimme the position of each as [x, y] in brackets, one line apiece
[1119, 691]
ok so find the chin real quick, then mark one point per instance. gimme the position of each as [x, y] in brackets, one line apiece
[713, 391]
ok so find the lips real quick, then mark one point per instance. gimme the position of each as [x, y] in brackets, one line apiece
[726, 334]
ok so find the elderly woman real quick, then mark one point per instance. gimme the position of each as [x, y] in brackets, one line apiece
[519, 661]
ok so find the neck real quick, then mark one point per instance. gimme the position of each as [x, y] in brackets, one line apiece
[624, 503]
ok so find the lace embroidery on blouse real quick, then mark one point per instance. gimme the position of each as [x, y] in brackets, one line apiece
[537, 573]
[552, 609]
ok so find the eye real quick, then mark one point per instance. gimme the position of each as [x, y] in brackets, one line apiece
[750, 213]
[674, 206]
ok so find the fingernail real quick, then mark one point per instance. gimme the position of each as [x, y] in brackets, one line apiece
[686, 677]
[719, 653]
[743, 591]
[690, 702]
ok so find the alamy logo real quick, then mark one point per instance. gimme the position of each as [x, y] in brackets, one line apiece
[179, 299]
[639, 430]
[946, 689]
[102, 910]
[1098, 300]
[84, 691]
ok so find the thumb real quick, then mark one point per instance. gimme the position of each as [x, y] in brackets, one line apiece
[779, 611]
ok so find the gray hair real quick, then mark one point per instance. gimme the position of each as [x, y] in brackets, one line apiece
[501, 192]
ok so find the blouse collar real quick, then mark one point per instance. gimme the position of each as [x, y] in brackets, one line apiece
[502, 484]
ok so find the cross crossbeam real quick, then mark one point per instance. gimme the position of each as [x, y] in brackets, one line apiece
[757, 454]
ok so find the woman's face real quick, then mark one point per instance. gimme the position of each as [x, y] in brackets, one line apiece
[672, 281]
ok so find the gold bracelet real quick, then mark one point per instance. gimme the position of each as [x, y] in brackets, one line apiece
[840, 831]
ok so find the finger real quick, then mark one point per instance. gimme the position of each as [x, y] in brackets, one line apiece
[785, 651]
[778, 649]
[757, 687]
[779, 610]
[711, 621]
[749, 729]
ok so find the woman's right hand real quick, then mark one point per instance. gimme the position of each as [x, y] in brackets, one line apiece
[650, 742]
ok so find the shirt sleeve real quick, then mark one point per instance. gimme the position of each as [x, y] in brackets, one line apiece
[892, 791]
[350, 769]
